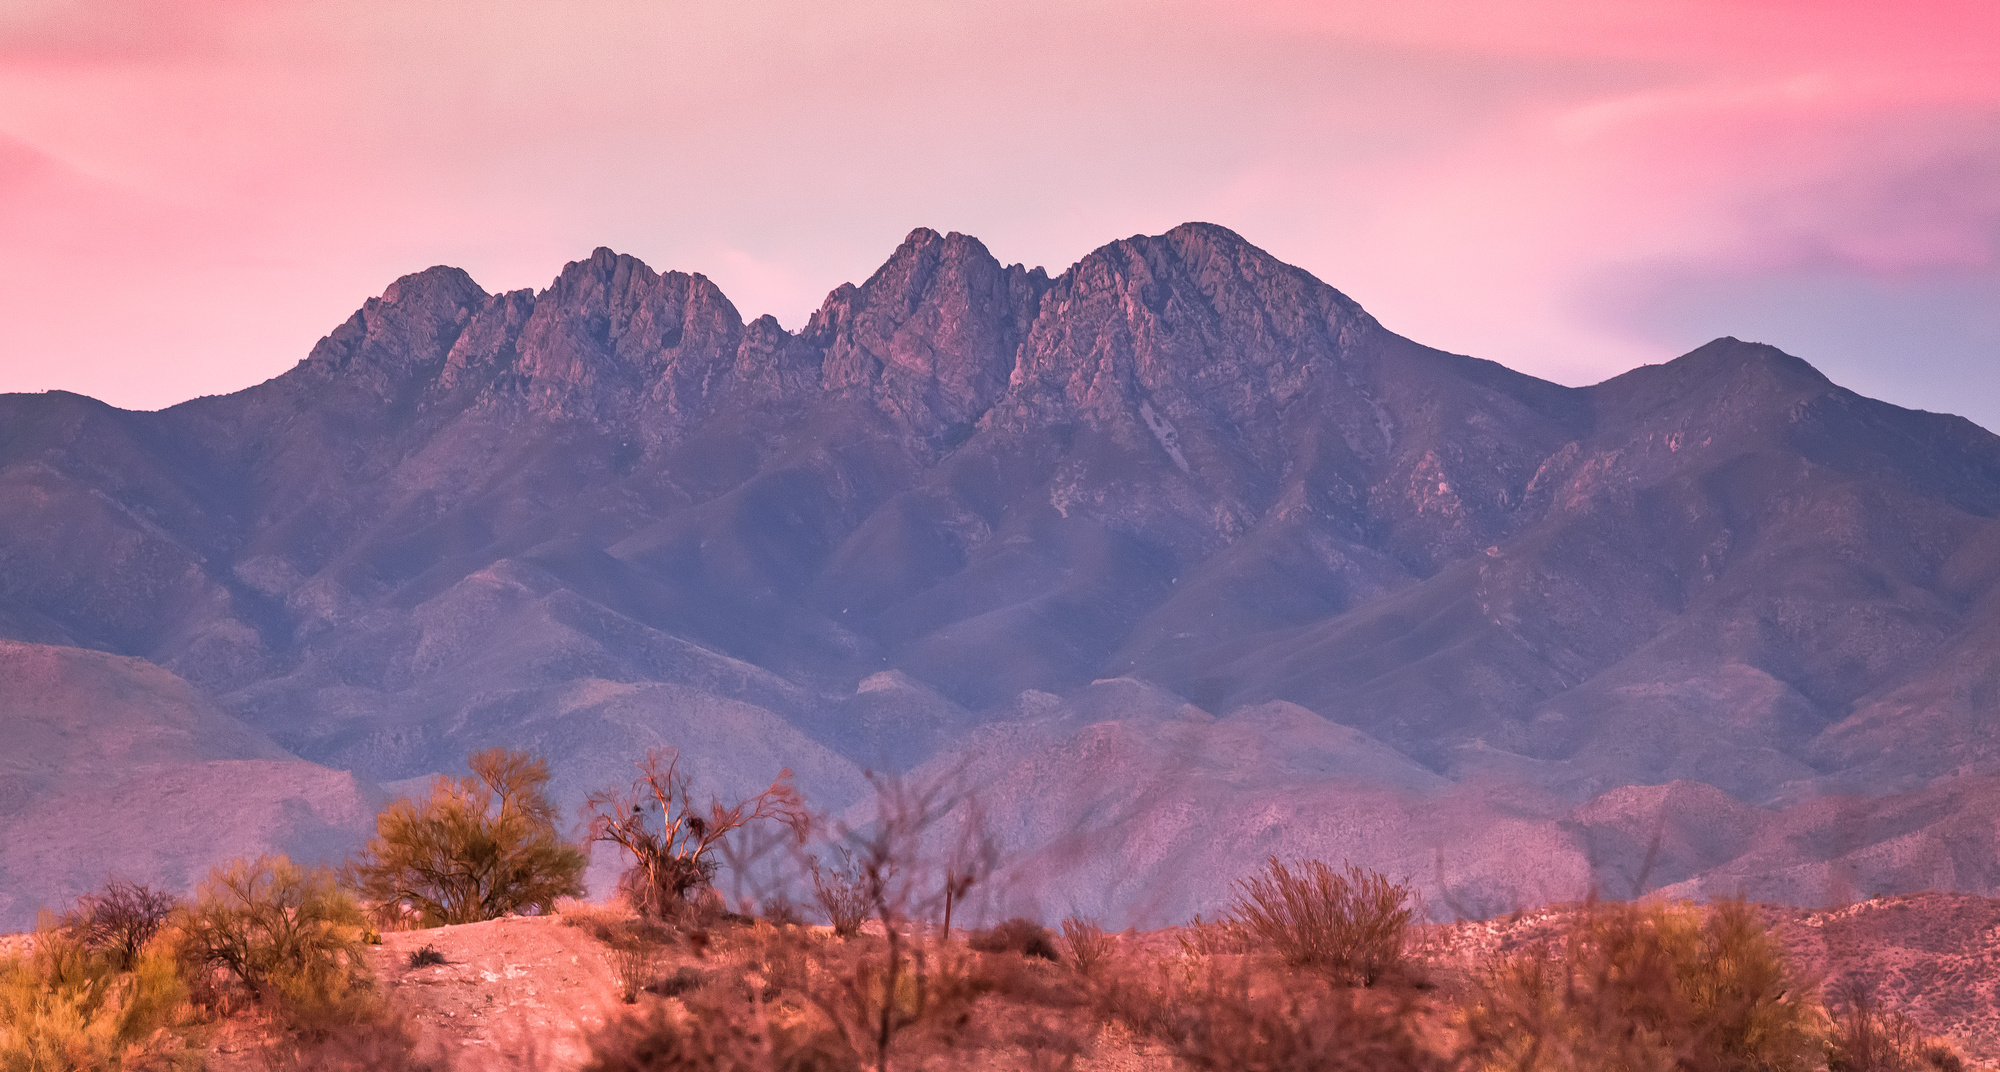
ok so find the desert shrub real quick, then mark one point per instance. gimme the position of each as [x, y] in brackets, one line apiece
[911, 992]
[427, 957]
[635, 966]
[120, 919]
[384, 1045]
[903, 998]
[601, 922]
[886, 1000]
[476, 848]
[1865, 1038]
[1208, 938]
[683, 979]
[285, 936]
[1349, 926]
[1089, 948]
[672, 865]
[1023, 936]
[1647, 987]
[779, 910]
[71, 1006]
[719, 1035]
[842, 892]
[1246, 1016]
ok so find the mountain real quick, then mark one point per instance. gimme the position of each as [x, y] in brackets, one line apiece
[1182, 509]
[114, 765]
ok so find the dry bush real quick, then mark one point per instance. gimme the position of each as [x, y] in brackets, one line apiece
[842, 892]
[912, 987]
[384, 1046]
[684, 979]
[636, 966]
[780, 911]
[1865, 1038]
[720, 1032]
[673, 865]
[1227, 1018]
[72, 1006]
[602, 922]
[1211, 938]
[1023, 936]
[476, 848]
[1228, 1012]
[282, 936]
[903, 998]
[924, 1004]
[1090, 949]
[1349, 926]
[1644, 987]
[120, 919]
[635, 946]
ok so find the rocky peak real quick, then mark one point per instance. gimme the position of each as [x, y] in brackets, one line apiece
[438, 287]
[932, 333]
[772, 364]
[402, 335]
[610, 332]
[1751, 388]
[1196, 324]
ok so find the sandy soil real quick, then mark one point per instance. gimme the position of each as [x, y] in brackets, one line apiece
[524, 993]
[516, 993]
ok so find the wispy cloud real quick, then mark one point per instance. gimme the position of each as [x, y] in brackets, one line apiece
[1528, 180]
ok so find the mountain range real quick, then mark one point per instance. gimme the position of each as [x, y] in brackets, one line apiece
[1175, 559]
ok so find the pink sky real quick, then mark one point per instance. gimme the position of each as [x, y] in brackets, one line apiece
[194, 191]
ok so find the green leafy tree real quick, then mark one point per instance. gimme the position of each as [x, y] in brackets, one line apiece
[476, 848]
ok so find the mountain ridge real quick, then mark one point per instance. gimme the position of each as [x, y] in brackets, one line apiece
[591, 518]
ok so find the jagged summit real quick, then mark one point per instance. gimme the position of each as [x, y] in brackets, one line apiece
[440, 285]
[1180, 514]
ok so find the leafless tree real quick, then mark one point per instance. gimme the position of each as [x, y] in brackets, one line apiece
[672, 842]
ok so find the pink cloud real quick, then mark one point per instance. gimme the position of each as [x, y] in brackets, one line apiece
[249, 171]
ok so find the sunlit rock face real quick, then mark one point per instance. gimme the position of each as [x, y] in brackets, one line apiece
[1180, 516]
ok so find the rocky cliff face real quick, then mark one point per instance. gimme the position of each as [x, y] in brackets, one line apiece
[610, 513]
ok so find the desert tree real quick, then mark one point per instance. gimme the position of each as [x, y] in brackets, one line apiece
[288, 936]
[477, 847]
[673, 843]
[120, 919]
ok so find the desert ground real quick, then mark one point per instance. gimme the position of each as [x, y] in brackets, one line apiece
[527, 992]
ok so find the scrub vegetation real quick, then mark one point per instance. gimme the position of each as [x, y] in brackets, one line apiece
[476, 848]
[1312, 966]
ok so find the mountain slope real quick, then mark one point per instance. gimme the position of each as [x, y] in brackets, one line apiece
[611, 513]
[114, 765]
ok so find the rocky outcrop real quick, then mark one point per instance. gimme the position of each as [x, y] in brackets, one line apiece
[931, 337]
[607, 512]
